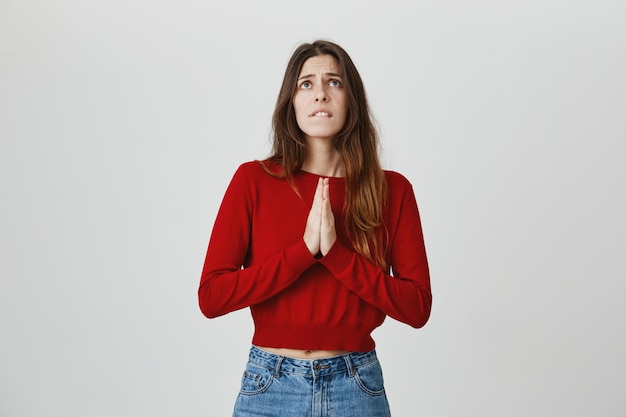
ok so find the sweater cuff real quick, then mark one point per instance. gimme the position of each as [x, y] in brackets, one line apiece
[338, 258]
[298, 257]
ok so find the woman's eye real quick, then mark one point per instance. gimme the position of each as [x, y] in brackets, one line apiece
[305, 85]
[335, 83]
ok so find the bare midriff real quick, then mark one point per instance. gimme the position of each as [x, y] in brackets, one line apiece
[304, 354]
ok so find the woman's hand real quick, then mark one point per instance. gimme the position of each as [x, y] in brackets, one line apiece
[328, 233]
[320, 233]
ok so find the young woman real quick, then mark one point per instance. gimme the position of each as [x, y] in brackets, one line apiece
[321, 244]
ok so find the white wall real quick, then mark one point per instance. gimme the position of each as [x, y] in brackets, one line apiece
[121, 123]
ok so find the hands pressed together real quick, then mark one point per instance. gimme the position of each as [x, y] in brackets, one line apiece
[320, 233]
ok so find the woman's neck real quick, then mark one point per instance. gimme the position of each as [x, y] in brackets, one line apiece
[324, 160]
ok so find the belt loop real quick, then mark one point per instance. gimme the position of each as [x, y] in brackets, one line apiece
[346, 358]
[279, 362]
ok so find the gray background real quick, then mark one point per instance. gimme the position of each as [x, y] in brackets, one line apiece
[121, 123]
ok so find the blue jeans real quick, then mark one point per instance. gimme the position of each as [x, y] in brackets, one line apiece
[349, 385]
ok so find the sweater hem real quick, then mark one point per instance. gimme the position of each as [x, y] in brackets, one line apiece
[305, 336]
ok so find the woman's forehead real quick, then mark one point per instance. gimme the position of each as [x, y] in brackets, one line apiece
[320, 64]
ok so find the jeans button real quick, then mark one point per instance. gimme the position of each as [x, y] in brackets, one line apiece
[318, 366]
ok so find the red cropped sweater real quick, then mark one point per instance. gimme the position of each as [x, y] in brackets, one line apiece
[257, 258]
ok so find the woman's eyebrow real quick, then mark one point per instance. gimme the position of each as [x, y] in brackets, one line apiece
[328, 74]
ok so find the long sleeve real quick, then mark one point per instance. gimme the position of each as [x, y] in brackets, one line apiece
[225, 285]
[405, 296]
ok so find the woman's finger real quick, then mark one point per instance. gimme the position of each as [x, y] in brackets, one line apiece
[328, 233]
[314, 220]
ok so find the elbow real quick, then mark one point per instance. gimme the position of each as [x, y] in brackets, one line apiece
[421, 314]
[208, 312]
[420, 321]
[208, 309]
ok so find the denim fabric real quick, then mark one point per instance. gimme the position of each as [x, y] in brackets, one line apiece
[349, 385]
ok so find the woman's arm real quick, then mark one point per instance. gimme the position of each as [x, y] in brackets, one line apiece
[224, 285]
[406, 295]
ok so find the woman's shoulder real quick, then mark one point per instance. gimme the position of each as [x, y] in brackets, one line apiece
[256, 172]
[396, 179]
[257, 166]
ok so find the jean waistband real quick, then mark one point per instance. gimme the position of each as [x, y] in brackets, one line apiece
[314, 367]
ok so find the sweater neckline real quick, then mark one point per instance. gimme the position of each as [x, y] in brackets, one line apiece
[308, 176]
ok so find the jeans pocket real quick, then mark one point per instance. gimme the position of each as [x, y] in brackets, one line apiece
[369, 378]
[255, 380]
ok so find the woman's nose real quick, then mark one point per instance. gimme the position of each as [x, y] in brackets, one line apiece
[320, 95]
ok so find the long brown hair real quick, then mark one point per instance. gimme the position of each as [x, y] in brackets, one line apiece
[357, 143]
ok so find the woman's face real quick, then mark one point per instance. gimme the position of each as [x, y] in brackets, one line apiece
[320, 100]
